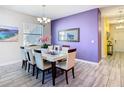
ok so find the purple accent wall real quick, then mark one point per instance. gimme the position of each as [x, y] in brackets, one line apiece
[88, 24]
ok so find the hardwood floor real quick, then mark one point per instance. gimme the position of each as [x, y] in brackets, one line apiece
[109, 73]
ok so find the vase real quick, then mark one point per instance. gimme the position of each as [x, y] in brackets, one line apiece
[44, 50]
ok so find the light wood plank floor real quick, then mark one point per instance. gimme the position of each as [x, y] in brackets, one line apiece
[109, 73]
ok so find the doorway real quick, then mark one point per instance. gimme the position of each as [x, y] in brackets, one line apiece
[112, 29]
[118, 38]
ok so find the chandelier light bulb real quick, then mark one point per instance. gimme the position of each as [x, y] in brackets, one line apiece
[44, 20]
[38, 19]
[48, 20]
[41, 21]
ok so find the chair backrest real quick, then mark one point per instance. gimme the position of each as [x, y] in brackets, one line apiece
[66, 46]
[71, 58]
[50, 47]
[23, 53]
[30, 56]
[57, 47]
[65, 49]
[38, 59]
[34, 46]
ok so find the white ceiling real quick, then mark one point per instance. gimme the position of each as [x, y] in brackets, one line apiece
[52, 11]
[113, 13]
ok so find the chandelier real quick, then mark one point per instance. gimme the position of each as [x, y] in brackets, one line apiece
[43, 20]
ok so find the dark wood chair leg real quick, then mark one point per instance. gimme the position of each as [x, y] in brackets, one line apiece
[37, 73]
[66, 75]
[53, 72]
[28, 67]
[73, 72]
[22, 63]
[43, 77]
[62, 72]
[48, 71]
[33, 70]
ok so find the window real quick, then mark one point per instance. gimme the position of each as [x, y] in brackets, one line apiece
[32, 33]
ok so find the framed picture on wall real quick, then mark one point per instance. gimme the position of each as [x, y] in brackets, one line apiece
[8, 34]
[69, 35]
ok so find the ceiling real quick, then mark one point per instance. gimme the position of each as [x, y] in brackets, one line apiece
[113, 13]
[52, 11]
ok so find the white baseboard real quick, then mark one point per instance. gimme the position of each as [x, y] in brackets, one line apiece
[104, 57]
[9, 63]
[86, 61]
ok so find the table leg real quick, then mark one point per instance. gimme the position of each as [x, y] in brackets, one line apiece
[53, 72]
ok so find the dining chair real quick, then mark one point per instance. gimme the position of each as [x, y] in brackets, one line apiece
[68, 64]
[50, 48]
[66, 46]
[31, 60]
[65, 49]
[24, 57]
[56, 47]
[41, 64]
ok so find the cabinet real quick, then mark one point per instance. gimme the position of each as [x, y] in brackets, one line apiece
[110, 48]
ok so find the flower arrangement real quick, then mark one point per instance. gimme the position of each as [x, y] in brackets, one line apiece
[44, 40]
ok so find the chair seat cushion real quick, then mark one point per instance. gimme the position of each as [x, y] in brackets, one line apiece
[32, 63]
[61, 65]
[62, 60]
[47, 65]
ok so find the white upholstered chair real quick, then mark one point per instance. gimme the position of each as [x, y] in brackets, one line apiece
[66, 46]
[31, 59]
[57, 47]
[65, 49]
[41, 64]
[24, 57]
[50, 48]
[68, 64]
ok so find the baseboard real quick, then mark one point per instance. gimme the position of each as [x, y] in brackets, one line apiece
[103, 57]
[100, 61]
[9, 63]
[86, 61]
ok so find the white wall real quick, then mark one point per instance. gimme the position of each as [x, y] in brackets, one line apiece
[10, 51]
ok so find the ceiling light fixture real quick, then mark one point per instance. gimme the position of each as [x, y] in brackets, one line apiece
[119, 27]
[120, 20]
[43, 20]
